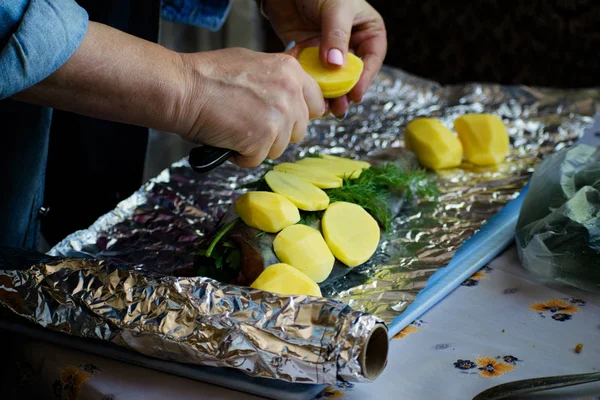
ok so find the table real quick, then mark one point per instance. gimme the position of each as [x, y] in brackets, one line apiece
[501, 325]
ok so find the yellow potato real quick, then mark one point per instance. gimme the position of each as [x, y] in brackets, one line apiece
[304, 248]
[302, 193]
[319, 178]
[484, 138]
[347, 161]
[350, 232]
[336, 168]
[334, 94]
[286, 280]
[435, 146]
[334, 82]
[269, 212]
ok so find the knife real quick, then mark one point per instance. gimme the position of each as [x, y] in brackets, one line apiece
[206, 158]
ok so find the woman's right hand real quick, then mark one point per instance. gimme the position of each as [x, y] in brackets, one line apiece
[250, 102]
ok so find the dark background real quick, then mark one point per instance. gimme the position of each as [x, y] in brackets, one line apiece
[532, 42]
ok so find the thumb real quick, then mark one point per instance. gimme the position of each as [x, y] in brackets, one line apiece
[337, 19]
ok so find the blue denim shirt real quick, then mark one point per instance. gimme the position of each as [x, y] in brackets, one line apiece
[36, 38]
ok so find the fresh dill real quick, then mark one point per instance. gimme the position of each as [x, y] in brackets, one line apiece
[372, 190]
[375, 186]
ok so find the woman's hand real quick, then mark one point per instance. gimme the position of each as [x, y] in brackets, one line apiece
[250, 102]
[337, 26]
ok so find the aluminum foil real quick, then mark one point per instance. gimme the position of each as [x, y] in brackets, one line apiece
[194, 320]
[156, 230]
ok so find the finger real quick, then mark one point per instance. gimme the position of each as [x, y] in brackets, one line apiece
[293, 51]
[339, 106]
[248, 161]
[252, 156]
[299, 130]
[336, 26]
[278, 147]
[281, 141]
[371, 46]
[313, 96]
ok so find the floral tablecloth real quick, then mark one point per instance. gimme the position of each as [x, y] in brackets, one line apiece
[500, 325]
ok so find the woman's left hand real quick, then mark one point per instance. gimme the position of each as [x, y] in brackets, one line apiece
[338, 27]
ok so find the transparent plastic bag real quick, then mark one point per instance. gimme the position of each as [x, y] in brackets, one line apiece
[558, 231]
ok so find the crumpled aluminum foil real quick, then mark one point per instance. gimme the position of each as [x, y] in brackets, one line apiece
[159, 227]
[194, 320]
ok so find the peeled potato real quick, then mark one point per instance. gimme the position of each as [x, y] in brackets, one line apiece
[286, 280]
[348, 161]
[304, 248]
[302, 193]
[336, 168]
[484, 138]
[319, 178]
[334, 82]
[435, 146]
[269, 212]
[350, 232]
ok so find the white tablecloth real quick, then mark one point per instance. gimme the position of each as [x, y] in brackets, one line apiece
[499, 326]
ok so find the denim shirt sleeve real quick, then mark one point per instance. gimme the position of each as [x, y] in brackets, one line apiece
[208, 14]
[36, 38]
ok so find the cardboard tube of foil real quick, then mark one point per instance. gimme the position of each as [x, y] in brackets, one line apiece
[373, 358]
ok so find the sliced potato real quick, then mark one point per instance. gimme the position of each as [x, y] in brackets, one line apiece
[483, 137]
[304, 248]
[286, 280]
[435, 146]
[302, 193]
[351, 233]
[347, 161]
[333, 167]
[319, 178]
[267, 211]
[334, 82]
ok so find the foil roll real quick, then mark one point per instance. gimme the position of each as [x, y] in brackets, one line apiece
[157, 230]
[198, 320]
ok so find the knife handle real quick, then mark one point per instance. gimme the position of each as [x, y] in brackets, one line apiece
[206, 158]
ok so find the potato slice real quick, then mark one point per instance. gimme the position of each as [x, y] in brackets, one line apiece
[351, 233]
[319, 178]
[347, 161]
[267, 211]
[334, 82]
[333, 167]
[484, 138]
[302, 193]
[304, 248]
[334, 94]
[286, 280]
[435, 146]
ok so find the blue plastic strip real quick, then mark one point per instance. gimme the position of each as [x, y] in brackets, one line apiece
[493, 238]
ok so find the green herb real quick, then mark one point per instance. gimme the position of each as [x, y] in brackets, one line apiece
[372, 191]
[310, 218]
[219, 236]
[373, 188]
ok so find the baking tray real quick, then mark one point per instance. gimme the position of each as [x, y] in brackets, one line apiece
[494, 237]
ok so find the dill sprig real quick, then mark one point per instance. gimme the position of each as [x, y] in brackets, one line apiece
[374, 187]
[372, 191]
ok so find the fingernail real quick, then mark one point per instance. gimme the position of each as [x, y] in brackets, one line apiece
[290, 46]
[335, 57]
[342, 117]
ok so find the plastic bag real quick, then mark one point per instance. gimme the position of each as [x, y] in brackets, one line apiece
[558, 231]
